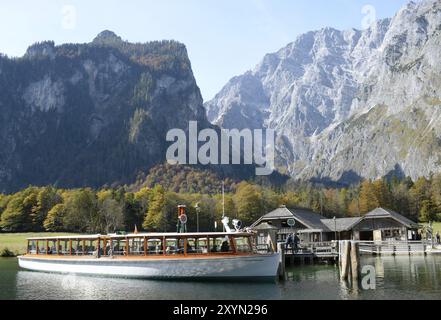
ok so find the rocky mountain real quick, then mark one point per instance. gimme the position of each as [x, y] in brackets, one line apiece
[348, 104]
[92, 114]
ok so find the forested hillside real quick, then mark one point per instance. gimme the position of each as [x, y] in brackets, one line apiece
[86, 115]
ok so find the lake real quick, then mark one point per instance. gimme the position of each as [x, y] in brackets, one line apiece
[416, 277]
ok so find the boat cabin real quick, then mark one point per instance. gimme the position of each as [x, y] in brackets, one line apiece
[147, 245]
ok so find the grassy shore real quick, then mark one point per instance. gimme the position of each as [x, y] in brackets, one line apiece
[15, 243]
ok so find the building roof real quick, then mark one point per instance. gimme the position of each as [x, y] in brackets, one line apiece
[279, 213]
[265, 226]
[341, 224]
[310, 219]
[306, 217]
[317, 223]
[386, 213]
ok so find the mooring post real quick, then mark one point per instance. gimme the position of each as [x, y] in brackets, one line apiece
[281, 251]
[345, 261]
[355, 260]
[340, 252]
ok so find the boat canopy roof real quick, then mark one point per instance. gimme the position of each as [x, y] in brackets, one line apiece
[156, 236]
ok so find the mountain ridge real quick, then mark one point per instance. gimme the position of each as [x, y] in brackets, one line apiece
[311, 89]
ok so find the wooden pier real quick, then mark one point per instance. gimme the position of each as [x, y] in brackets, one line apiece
[310, 252]
[350, 251]
[347, 252]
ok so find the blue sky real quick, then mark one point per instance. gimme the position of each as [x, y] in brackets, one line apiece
[224, 37]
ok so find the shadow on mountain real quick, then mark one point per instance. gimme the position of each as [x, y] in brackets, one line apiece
[397, 173]
[274, 179]
[348, 178]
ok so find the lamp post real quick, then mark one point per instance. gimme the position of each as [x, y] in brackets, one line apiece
[198, 209]
[335, 228]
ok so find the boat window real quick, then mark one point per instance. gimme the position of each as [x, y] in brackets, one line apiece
[32, 248]
[136, 247]
[220, 245]
[77, 247]
[242, 245]
[107, 247]
[51, 247]
[192, 246]
[154, 247]
[174, 246]
[41, 247]
[197, 246]
[64, 244]
[118, 247]
[201, 245]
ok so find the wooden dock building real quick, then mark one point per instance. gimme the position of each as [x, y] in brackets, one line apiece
[378, 225]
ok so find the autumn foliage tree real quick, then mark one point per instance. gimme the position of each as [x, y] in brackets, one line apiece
[154, 218]
[86, 210]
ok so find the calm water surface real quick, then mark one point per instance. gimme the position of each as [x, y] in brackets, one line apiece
[415, 277]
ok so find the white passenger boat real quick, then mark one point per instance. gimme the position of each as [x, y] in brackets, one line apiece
[217, 255]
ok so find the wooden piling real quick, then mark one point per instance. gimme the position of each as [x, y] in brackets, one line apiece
[342, 263]
[339, 250]
[355, 260]
[345, 259]
[281, 251]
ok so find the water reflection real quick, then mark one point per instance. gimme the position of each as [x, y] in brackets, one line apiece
[36, 285]
[415, 277]
[404, 277]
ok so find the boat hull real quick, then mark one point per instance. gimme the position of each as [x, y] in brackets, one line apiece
[255, 266]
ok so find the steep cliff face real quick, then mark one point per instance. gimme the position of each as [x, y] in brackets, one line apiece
[90, 114]
[397, 127]
[348, 104]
